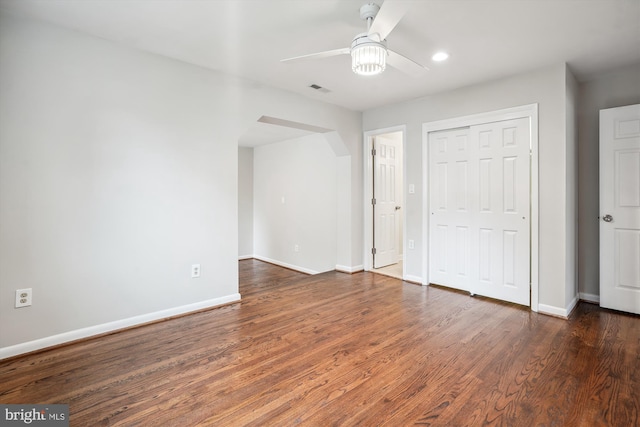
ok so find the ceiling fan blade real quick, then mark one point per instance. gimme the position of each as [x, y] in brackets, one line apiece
[391, 12]
[405, 64]
[319, 55]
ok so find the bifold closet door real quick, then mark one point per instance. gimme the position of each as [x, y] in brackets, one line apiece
[479, 198]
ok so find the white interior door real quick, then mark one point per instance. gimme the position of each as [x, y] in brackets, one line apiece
[387, 169]
[620, 208]
[479, 181]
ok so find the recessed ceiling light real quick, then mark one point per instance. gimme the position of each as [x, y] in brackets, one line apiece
[440, 56]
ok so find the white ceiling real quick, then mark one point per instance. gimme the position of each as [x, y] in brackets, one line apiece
[487, 39]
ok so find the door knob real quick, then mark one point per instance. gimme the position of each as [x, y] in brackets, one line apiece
[607, 218]
[397, 208]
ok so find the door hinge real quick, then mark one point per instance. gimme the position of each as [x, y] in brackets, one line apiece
[373, 151]
[373, 251]
[373, 201]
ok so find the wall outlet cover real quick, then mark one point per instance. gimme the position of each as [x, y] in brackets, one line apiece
[195, 270]
[24, 297]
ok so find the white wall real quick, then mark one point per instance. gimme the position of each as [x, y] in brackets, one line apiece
[113, 179]
[245, 202]
[295, 196]
[614, 89]
[545, 87]
[118, 170]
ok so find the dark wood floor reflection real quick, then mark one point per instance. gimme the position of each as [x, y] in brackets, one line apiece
[341, 350]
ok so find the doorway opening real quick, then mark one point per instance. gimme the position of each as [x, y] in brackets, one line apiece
[384, 202]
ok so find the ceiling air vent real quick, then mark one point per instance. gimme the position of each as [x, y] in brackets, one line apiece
[319, 88]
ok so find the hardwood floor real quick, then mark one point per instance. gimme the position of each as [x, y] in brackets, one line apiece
[340, 350]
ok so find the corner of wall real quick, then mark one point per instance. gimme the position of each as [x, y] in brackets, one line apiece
[562, 312]
[571, 179]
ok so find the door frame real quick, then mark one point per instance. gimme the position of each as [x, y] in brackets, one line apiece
[368, 193]
[529, 111]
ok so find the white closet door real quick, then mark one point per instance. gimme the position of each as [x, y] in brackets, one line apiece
[503, 213]
[451, 200]
[480, 205]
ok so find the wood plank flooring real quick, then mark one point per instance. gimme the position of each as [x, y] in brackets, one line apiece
[344, 350]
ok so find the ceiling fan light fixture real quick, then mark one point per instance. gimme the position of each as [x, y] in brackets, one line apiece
[368, 57]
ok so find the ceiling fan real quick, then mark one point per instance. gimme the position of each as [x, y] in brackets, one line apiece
[369, 51]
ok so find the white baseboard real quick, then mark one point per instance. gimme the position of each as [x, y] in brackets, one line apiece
[572, 305]
[241, 257]
[552, 310]
[350, 270]
[90, 331]
[557, 311]
[413, 279]
[286, 265]
[590, 298]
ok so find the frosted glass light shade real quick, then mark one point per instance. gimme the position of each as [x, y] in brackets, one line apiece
[368, 59]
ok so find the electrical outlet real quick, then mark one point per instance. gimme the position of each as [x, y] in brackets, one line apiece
[412, 244]
[296, 248]
[23, 297]
[195, 271]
